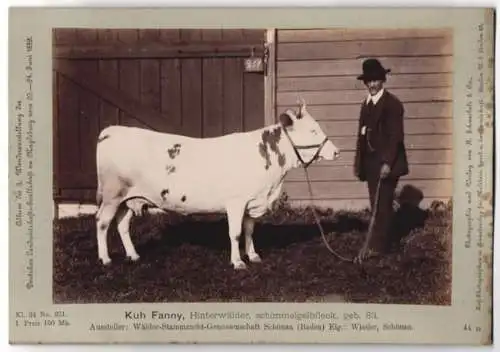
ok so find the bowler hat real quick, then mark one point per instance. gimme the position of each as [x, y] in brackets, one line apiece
[373, 71]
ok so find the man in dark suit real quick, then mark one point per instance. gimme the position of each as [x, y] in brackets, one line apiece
[380, 152]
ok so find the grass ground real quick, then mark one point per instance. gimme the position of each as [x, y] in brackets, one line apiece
[186, 259]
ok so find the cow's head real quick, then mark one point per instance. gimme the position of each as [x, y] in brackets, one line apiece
[307, 137]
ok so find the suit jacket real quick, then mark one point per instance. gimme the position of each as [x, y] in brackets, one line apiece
[387, 136]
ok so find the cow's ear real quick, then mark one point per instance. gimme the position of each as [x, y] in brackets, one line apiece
[286, 120]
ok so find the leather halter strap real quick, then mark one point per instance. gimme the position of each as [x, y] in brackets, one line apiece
[296, 149]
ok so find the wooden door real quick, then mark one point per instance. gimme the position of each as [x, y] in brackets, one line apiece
[190, 82]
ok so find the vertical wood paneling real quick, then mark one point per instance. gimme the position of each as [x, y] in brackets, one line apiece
[65, 36]
[171, 98]
[191, 35]
[233, 95]
[254, 35]
[86, 36]
[191, 97]
[107, 36]
[68, 130]
[212, 97]
[148, 35]
[55, 134]
[204, 97]
[88, 119]
[270, 115]
[109, 114]
[129, 73]
[208, 35]
[108, 71]
[130, 76]
[253, 101]
[233, 35]
[128, 35]
[150, 72]
[169, 35]
[150, 83]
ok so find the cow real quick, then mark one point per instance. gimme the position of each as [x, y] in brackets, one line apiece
[240, 174]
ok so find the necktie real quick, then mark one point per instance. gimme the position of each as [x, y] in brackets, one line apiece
[370, 106]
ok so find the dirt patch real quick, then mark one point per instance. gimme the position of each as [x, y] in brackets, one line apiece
[186, 259]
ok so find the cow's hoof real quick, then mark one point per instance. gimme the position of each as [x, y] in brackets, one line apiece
[361, 256]
[105, 261]
[240, 265]
[133, 258]
[365, 254]
[358, 259]
[254, 258]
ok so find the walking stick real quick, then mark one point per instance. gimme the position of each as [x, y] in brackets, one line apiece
[363, 252]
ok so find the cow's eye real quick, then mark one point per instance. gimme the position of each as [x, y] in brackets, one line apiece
[314, 132]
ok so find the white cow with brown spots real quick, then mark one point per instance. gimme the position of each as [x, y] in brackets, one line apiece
[240, 174]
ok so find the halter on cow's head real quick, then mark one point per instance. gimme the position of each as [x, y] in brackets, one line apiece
[306, 136]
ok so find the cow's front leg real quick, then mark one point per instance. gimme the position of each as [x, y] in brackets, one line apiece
[235, 217]
[249, 225]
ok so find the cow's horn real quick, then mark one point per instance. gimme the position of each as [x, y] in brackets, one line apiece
[302, 102]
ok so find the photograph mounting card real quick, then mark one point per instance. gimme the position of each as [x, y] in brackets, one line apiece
[251, 175]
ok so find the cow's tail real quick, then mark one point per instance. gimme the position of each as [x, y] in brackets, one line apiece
[105, 134]
[98, 196]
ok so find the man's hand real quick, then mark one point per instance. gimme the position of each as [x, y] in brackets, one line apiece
[384, 171]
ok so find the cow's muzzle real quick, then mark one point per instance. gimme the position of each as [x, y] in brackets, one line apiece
[331, 152]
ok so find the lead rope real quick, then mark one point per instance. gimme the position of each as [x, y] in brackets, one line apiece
[318, 222]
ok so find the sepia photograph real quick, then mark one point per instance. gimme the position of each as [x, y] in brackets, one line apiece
[252, 165]
[276, 175]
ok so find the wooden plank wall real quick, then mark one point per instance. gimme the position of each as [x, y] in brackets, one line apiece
[322, 65]
[202, 95]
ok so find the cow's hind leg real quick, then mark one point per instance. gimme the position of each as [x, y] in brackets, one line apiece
[123, 219]
[235, 217]
[104, 216]
[249, 225]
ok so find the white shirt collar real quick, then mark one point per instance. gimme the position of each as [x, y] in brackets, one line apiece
[375, 98]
